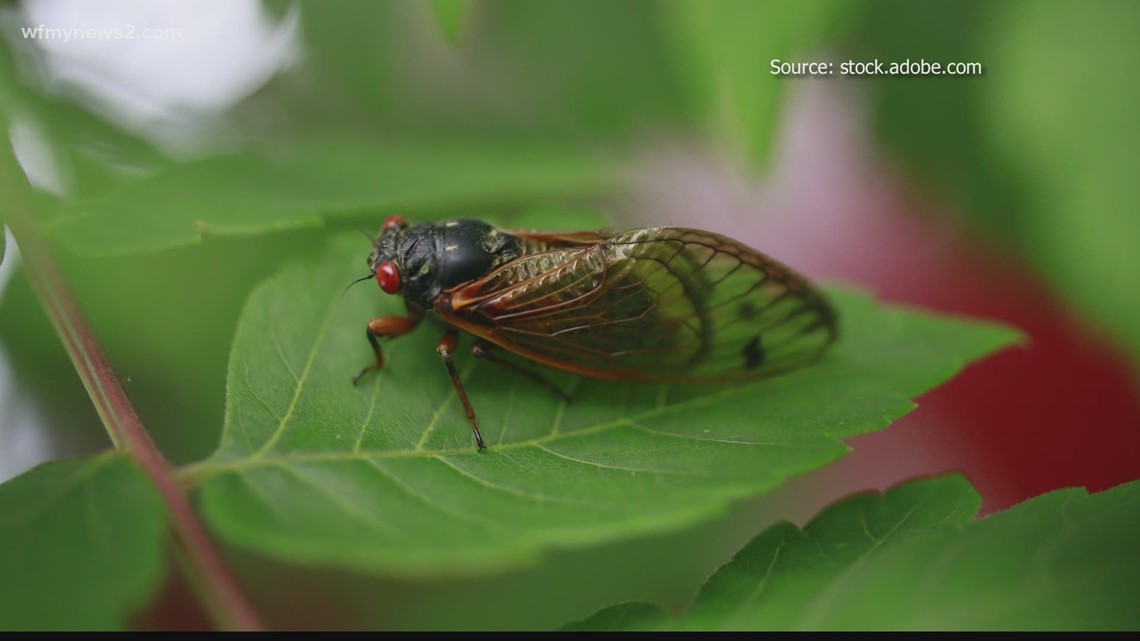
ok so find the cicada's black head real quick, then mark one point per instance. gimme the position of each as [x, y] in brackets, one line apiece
[420, 261]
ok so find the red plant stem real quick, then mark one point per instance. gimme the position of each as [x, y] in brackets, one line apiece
[216, 587]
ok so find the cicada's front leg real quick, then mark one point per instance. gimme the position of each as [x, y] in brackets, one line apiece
[445, 350]
[385, 326]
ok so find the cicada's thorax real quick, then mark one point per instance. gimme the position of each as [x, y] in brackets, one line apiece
[433, 257]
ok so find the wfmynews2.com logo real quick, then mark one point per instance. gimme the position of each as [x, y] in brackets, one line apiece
[121, 32]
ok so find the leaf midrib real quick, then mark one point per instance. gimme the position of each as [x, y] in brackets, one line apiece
[198, 472]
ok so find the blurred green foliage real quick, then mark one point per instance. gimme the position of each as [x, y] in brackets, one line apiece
[1068, 116]
[1042, 149]
[451, 16]
[723, 49]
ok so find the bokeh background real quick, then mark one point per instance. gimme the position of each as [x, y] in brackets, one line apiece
[1011, 195]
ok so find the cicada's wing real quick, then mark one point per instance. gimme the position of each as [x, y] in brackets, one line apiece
[664, 304]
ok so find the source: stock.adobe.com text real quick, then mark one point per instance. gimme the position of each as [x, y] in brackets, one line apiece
[875, 67]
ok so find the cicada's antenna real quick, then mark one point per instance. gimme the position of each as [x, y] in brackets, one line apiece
[358, 280]
[371, 239]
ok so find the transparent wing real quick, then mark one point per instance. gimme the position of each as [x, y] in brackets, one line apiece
[665, 304]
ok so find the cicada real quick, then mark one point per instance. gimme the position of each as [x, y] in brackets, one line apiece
[658, 304]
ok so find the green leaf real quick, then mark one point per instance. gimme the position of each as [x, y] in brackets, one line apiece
[385, 476]
[81, 545]
[630, 616]
[913, 559]
[245, 194]
[450, 14]
[724, 49]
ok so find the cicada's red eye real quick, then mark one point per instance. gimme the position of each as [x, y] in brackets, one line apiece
[388, 276]
[393, 221]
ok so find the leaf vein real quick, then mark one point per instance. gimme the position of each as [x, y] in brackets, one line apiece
[431, 502]
[321, 332]
[691, 437]
[347, 506]
[464, 375]
[281, 353]
[607, 466]
[761, 583]
[538, 498]
[368, 417]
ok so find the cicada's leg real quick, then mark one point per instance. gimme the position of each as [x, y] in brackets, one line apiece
[482, 349]
[445, 350]
[385, 326]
